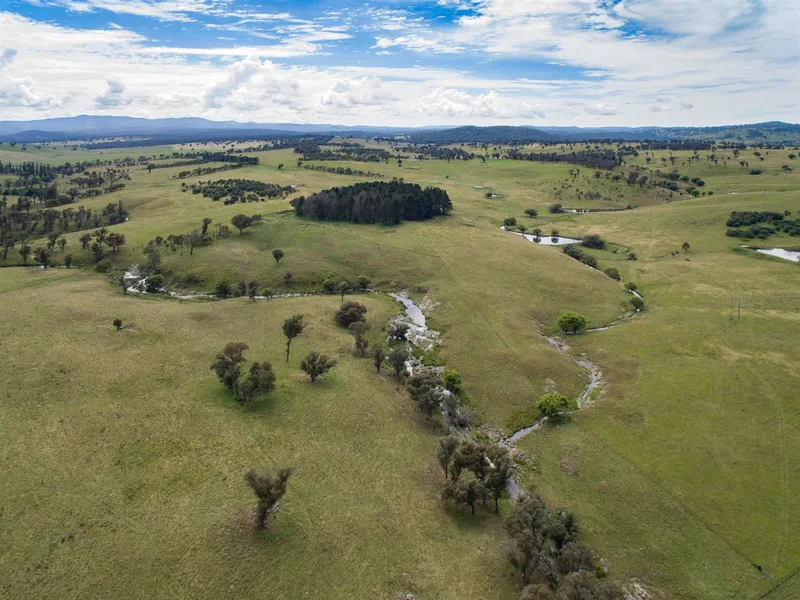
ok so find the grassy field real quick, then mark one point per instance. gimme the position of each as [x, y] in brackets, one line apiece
[123, 471]
[683, 473]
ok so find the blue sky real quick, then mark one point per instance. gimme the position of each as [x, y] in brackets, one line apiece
[545, 62]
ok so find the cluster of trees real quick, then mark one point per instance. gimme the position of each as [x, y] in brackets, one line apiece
[240, 190]
[552, 562]
[775, 222]
[375, 202]
[473, 472]
[438, 152]
[199, 171]
[19, 225]
[229, 368]
[310, 150]
[343, 171]
[593, 159]
[577, 253]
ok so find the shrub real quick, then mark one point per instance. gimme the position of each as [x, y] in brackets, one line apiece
[593, 241]
[637, 303]
[631, 286]
[118, 324]
[510, 222]
[531, 212]
[555, 208]
[452, 380]
[551, 404]
[154, 283]
[613, 273]
[104, 266]
[329, 285]
[223, 288]
[363, 282]
[68, 260]
[349, 313]
[755, 172]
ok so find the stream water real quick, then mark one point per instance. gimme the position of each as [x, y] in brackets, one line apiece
[791, 255]
[545, 240]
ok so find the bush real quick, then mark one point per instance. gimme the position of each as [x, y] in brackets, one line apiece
[154, 284]
[329, 285]
[452, 380]
[223, 288]
[555, 208]
[117, 323]
[637, 303]
[510, 222]
[631, 286]
[531, 212]
[755, 172]
[349, 313]
[593, 241]
[613, 273]
[363, 282]
[104, 266]
[551, 404]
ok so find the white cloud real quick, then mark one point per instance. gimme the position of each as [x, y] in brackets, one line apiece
[452, 103]
[165, 10]
[113, 96]
[600, 109]
[366, 91]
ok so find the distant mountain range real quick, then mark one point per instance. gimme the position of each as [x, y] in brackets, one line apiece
[197, 129]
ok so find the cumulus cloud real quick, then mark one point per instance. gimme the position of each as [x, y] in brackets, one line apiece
[252, 83]
[600, 109]
[366, 91]
[452, 103]
[113, 95]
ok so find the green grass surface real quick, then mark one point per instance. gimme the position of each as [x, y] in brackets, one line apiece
[123, 468]
[686, 466]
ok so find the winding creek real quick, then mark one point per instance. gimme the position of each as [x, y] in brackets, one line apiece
[421, 336]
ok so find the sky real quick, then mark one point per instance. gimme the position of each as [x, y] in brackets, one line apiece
[414, 63]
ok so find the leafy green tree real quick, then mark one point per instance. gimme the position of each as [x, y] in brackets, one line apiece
[260, 380]
[193, 238]
[531, 212]
[84, 240]
[269, 488]
[575, 556]
[613, 273]
[378, 356]
[593, 241]
[552, 404]
[631, 286]
[510, 222]
[536, 591]
[555, 208]
[241, 222]
[153, 255]
[397, 360]
[153, 284]
[572, 322]
[118, 324]
[637, 304]
[363, 282]
[316, 364]
[343, 286]
[685, 247]
[252, 290]
[447, 448]
[292, 327]
[584, 585]
[496, 480]
[62, 244]
[277, 254]
[329, 285]
[42, 256]
[358, 331]
[206, 222]
[464, 491]
[68, 260]
[349, 313]
[228, 365]
[223, 288]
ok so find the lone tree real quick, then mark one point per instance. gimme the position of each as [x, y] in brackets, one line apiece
[572, 322]
[316, 364]
[206, 222]
[685, 247]
[277, 254]
[292, 327]
[153, 255]
[241, 222]
[552, 404]
[223, 288]
[378, 355]
[510, 222]
[531, 212]
[228, 367]
[269, 488]
[68, 260]
[397, 360]
[118, 324]
[343, 287]
[193, 238]
[349, 313]
[358, 331]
